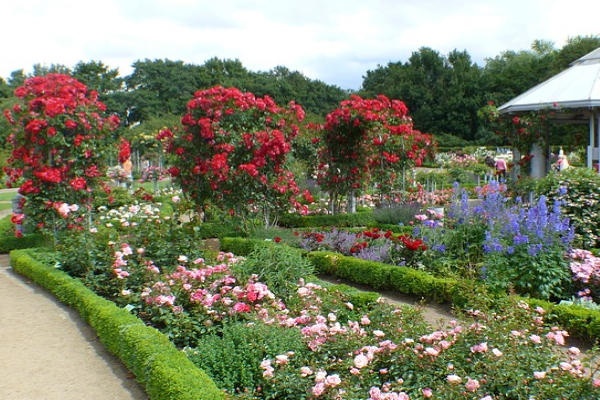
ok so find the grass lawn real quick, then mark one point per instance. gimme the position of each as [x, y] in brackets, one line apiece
[6, 201]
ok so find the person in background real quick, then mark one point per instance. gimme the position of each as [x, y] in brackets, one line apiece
[491, 164]
[501, 168]
[561, 164]
[127, 167]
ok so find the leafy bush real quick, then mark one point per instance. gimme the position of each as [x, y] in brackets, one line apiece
[233, 357]
[279, 266]
[578, 190]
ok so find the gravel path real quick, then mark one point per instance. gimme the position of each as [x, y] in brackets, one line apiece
[48, 353]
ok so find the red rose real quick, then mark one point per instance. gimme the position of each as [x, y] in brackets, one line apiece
[78, 183]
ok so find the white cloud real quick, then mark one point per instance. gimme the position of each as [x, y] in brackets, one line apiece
[335, 41]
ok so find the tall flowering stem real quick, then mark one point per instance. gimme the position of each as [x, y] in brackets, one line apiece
[57, 144]
[366, 141]
[232, 151]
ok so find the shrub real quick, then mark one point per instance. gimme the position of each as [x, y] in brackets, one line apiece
[578, 190]
[280, 267]
[233, 357]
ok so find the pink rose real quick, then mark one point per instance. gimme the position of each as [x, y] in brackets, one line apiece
[472, 385]
[361, 361]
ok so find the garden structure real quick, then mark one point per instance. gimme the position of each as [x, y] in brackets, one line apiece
[571, 97]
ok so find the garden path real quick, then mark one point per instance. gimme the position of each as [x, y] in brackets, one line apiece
[436, 315]
[48, 353]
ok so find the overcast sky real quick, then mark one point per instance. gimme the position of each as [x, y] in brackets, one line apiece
[335, 41]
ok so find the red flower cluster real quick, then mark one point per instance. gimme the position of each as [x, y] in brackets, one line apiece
[124, 151]
[56, 141]
[233, 148]
[412, 244]
[368, 140]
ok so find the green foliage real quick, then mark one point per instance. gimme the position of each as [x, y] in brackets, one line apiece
[8, 240]
[232, 358]
[280, 267]
[545, 276]
[578, 190]
[575, 48]
[443, 93]
[160, 87]
[208, 230]
[241, 246]
[282, 235]
[119, 197]
[514, 72]
[396, 214]
[378, 275]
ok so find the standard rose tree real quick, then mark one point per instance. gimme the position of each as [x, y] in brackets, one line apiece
[232, 152]
[368, 141]
[57, 144]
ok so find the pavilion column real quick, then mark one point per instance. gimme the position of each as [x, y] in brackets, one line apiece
[538, 162]
[591, 146]
[596, 128]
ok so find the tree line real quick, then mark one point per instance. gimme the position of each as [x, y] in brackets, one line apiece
[444, 93]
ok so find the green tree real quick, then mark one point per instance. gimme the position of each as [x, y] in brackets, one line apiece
[512, 73]
[157, 88]
[283, 85]
[575, 48]
[43, 70]
[442, 92]
[17, 78]
[99, 77]
[5, 90]
[226, 73]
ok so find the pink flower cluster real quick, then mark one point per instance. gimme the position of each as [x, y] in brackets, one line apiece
[586, 271]
[211, 290]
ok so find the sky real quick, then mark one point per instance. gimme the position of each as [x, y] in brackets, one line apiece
[334, 41]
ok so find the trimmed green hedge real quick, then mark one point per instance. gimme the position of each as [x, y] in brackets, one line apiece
[384, 276]
[8, 240]
[579, 321]
[240, 246]
[362, 218]
[165, 372]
